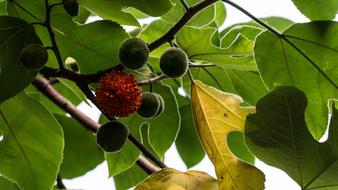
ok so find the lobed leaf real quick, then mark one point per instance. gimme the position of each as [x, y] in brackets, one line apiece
[216, 115]
[304, 56]
[278, 135]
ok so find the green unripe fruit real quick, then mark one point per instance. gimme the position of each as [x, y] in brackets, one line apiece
[150, 105]
[112, 136]
[134, 53]
[161, 108]
[174, 63]
[34, 56]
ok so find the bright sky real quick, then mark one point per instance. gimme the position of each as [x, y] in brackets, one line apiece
[275, 178]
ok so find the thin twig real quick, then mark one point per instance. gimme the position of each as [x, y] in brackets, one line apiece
[52, 35]
[152, 80]
[185, 5]
[180, 24]
[50, 92]
[201, 65]
[252, 17]
[59, 183]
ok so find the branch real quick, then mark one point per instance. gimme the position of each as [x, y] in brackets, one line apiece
[185, 5]
[52, 35]
[253, 17]
[179, 25]
[59, 183]
[76, 77]
[152, 80]
[49, 91]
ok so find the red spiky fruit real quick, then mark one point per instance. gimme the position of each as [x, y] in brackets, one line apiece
[118, 94]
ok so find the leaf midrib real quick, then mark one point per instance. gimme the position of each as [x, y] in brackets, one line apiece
[213, 137]
[20, 147]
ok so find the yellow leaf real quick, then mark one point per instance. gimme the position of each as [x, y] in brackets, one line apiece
[171, 179]
[216, 114]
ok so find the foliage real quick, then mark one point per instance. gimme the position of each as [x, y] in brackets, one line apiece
[288, 71]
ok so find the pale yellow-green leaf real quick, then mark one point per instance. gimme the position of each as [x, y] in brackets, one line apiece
[171, 179]
[216, 114]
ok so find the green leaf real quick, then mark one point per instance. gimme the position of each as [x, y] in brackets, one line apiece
[74, 40]
[196, 43]
[79, 42]
[277, 134]
[160, 143]
[122, 160]
[83, 15]
[8, 185]
[220, 13]
[203, 18]
[3, 7]
[214, 76]
[129, 178]
[32, 145]
[14, 35]
[249, 32]
[81, 153]
[237, 146]
[279, 23]
[113, 10]
[187, 143]
[153, 31]
[128, 155]
[317, 9]
[248, 85]
[304, 57]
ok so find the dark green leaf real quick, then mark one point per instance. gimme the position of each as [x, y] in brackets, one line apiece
[187, 143]
[71, 7]
[317, 9]
[15, 34]
[112, 9]
[277, 134]
[32, 145]
[81, 153]
[304, 57]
